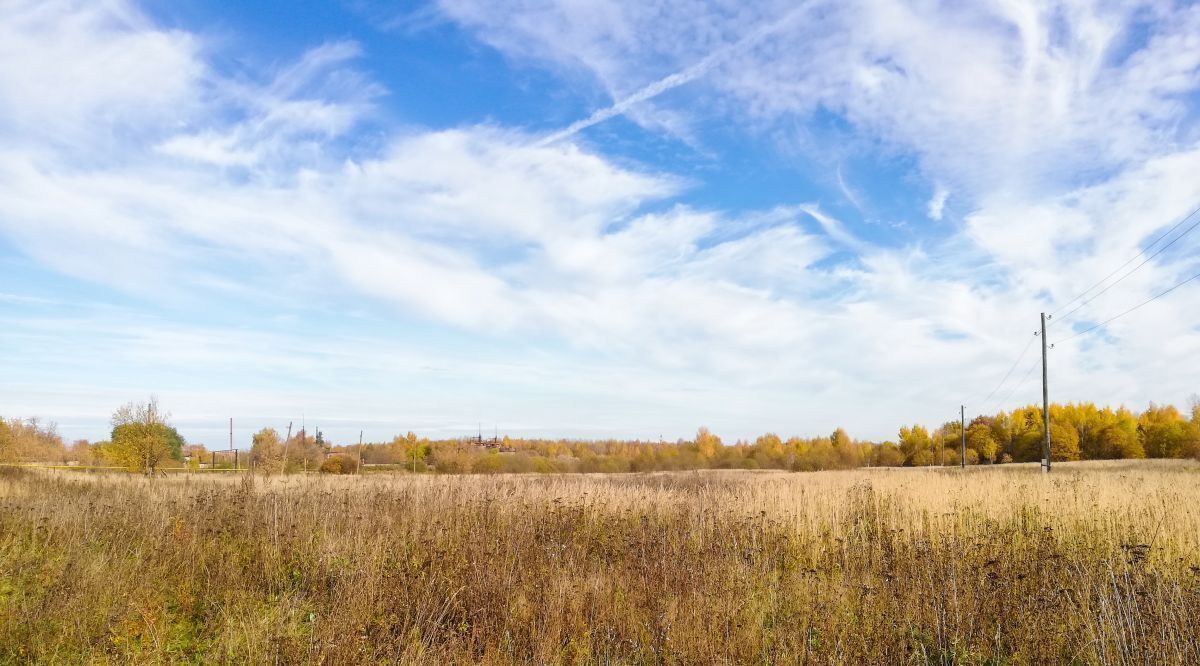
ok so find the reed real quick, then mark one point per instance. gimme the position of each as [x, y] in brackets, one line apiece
[1098, 563]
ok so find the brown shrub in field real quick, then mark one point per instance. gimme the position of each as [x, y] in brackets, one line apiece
[1092, 564]
[339, 463]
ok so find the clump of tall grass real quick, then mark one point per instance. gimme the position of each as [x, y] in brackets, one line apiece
[872, 566]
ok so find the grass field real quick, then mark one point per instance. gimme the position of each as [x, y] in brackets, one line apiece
[1097, 563]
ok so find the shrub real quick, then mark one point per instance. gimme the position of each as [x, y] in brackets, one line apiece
[339, 463]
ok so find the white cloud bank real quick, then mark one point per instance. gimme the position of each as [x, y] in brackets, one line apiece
[140, 167]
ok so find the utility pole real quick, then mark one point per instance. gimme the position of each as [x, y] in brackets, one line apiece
[360, 455]
[287, 441]
[1045, 404]
[962, 428]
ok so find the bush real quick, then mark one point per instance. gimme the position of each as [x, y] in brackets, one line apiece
[489, 463]
[339, 463]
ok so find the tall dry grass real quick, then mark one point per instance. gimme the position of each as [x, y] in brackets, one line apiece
[1095, 564]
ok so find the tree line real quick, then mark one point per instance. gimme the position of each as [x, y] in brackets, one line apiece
[143, 440]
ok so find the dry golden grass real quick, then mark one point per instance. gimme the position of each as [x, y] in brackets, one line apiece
[1097, 563]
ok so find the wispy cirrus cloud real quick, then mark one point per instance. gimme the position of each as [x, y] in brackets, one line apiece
[628, 304]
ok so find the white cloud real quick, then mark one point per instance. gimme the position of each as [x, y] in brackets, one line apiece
[612, 292]
[989, 96]
[937, 203]
[1066, 126]
[73, 67]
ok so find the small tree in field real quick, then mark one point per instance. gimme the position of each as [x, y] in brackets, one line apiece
[266, 454]
[142, 440]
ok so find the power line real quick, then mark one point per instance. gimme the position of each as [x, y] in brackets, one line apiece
[1134, 269]
[1010, 371]
[1017, 386]
[1085, 292]
[1131, 260]
[1145, 302]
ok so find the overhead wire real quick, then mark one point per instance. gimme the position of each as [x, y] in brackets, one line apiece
[1092, 298]
[1139, 305]
[1132, 270]
[1010, 370]
[1016, 387]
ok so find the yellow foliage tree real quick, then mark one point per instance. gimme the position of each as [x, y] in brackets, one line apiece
[142, 440]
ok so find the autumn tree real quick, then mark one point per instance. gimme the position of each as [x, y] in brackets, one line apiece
[1026, 434]
[411, 450]
[707, 444]
[768, 450]
[915, 444]
[1116, 441]
[304, 452]
[1064, 442]
[142, 439]
[840, 439]
[7, 442]
[888, 454]
[266, 451]
[339, 463]
[981, 440]
[80, 451]
[1165, 434]
[30, 440]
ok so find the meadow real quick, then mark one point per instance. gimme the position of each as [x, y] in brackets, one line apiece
[1094, 563]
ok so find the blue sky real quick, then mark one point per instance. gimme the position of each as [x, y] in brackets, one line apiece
[598, 219]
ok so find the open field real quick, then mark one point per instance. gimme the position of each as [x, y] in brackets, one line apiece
[1098, 563]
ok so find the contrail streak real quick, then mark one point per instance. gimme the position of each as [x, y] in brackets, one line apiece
[675, 80]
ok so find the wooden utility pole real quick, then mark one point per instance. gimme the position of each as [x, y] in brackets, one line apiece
[287, 441]
[360, 455]
[962, 427]
[1045, 403]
